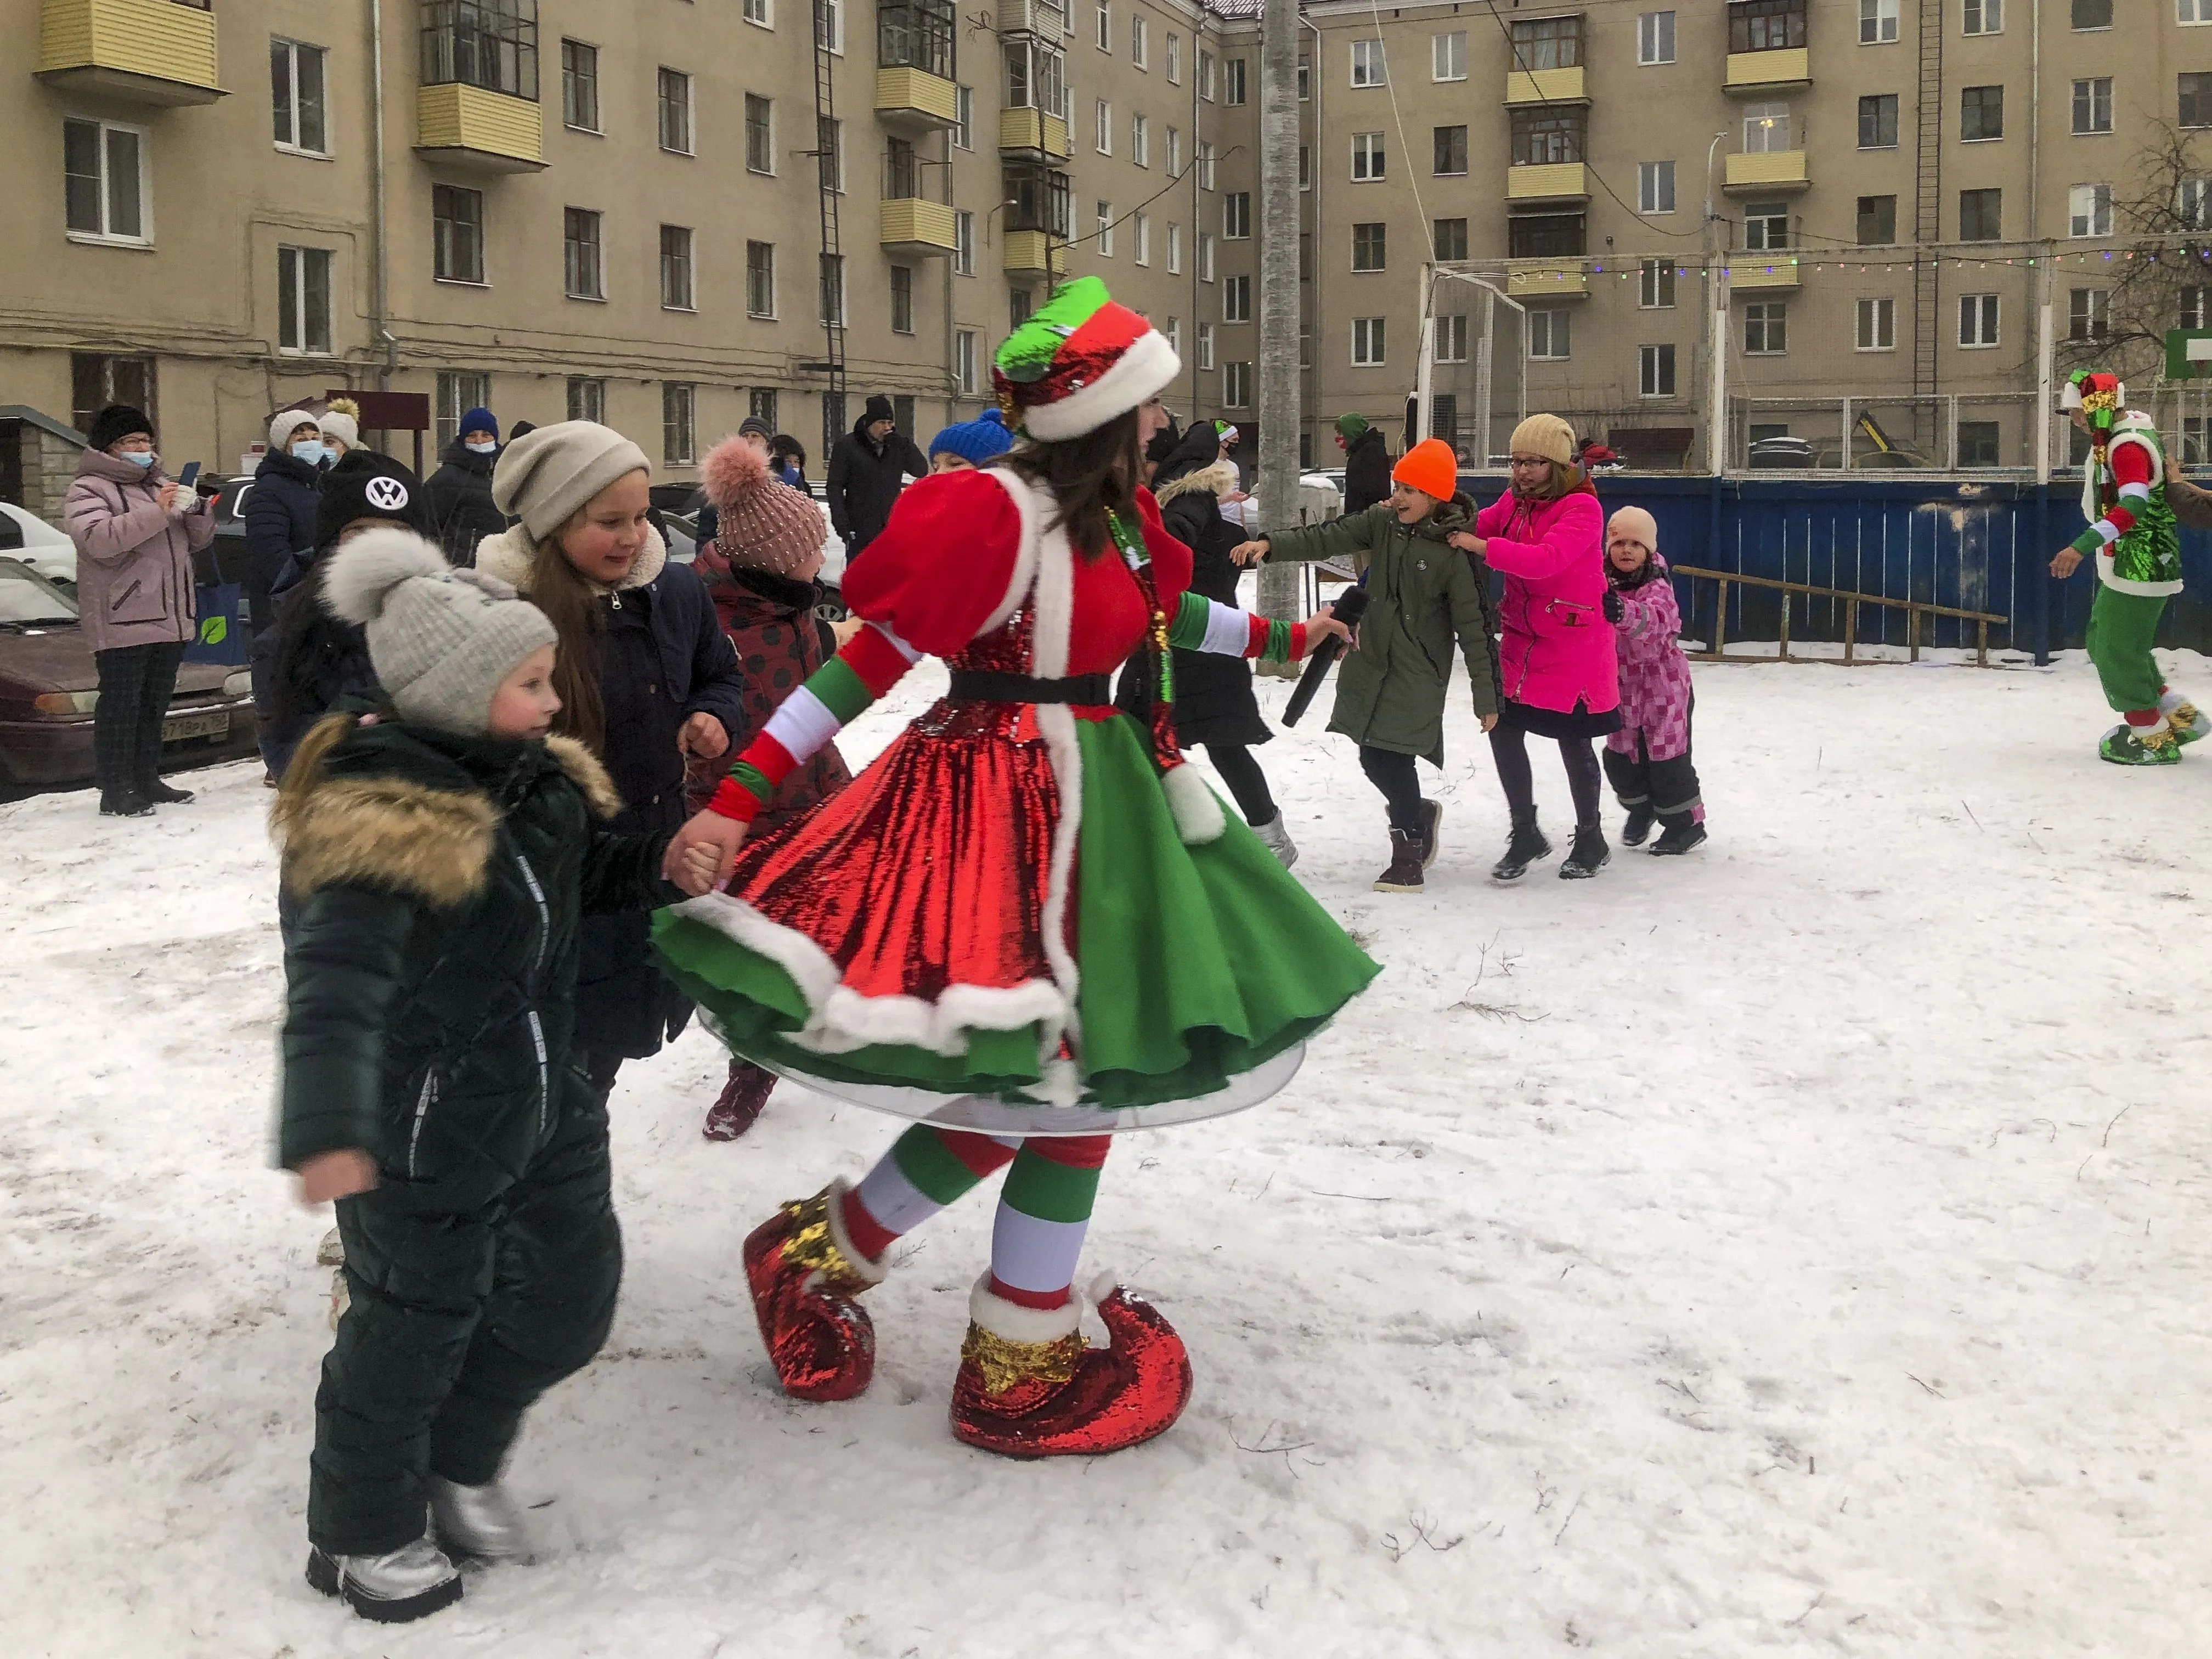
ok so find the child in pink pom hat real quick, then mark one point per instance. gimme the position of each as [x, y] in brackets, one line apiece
[1647, 760]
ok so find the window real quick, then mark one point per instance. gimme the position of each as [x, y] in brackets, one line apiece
[1978, 320]
[676, 268]
[1233, 80]
[963, 362]
[1174, 332]
[1655, 284]
[1449, 238]
[1450, 152]
[1981, 16]
[1019, 305]
[963, 115]
[1367, 341]
[580, 86]
[1981, 215]
[1655, 187]
[1877, 22]
[1654, 37]
[1237, 299]
[1766, 126]
[1544, 235]
[963, 242]
[1101, 135]
[2092, 105]
[296, 86]
[830, 302]
[1139, 42]
[1547, 43]
[2193, 203]
[1551, 134]
[2092, 13]
[1102, 22]
[1877, 325]
[2087, 312]
[1981, 114]
[678, 438]
[1174, 58]
[1140, 140]
[104, 182]
[1877, 217]
[587, 398]
[1765, 25]
[675, 111]
[1977, 443]
[1448, 55]
[1141, 233]
[1366, 157]
[901, 299]
[1654, 371]
[1451, 338]
[1547, 334]
[1367, 246]
[1204, 256]
[1367, 66]
[2196, 306]
[1236, 215]
[457, 234]
[1205, 76]
[1305, 78]
[459, 390]
[303, 300]
[760, 279]
[829, 152]
[2089, 211]
[762, 406]
[582, 277]
[760, 134]
[1237, 385]
[757, 12]
[1877, 123]
[1766, 329]
[469, 43]
[1206, 164]
[1175, 248]
[2192, 13]
[1205, 345]
[2195, 93]
[830, 26]
[1105, 236]
[1765, 226]
[1305, 256]
[1172, 140]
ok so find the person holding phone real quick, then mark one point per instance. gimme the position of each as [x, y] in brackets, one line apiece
[135, 531]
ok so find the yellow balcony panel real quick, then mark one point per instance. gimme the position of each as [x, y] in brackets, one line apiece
[911, 225]
[144, 52]
[1546, 181]
[1033, 132]
[1744, 276]
[1543, 282]
[915, 100]
[1040, 17]
[1033, 254]
[485, 131]
[1766, 171]
[1552, 86]
[1764, 71]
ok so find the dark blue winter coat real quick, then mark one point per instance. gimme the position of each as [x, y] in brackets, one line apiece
[280, 521]
[309, 662]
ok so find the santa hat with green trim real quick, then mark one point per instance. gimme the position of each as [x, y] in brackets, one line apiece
[1080, 361]
[2101, 394]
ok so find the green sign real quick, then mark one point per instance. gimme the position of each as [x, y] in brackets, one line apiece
[2189, 353]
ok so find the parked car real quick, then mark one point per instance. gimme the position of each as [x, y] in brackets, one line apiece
[25, 536]
[1783, 454]
[49, 686]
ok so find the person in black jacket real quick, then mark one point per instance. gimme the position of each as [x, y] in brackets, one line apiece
[1214, 700]
[646, 676]
[868, 470]
[461, 503]
[443, 858]
[279, 513]
[1366, 463]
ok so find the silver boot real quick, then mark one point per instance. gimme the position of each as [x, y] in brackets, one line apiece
[1277, 839]
[482, 1523]
[411, 1581]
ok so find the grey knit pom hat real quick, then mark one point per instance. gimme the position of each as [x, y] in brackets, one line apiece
[440, 639]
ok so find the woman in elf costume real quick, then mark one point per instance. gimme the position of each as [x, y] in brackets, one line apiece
[1028, 924]
[2132, 536]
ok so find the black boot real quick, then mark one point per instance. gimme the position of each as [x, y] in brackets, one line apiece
[1404, 875]
[1679, 838]
[1527, 846]
[1432, 818]
[1638, 825]
[161, 794]
[1588, 856]
[124, 804]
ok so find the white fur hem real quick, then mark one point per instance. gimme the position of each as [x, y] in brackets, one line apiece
[1197, 810]
[1138, 373]
[863, 1266]
[2123, 585]
[1012, 1322]
[1029, 503]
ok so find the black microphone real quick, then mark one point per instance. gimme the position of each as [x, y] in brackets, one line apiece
[1349, 608]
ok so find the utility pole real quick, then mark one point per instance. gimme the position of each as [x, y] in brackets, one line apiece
[1716, 333]
[1279, 293]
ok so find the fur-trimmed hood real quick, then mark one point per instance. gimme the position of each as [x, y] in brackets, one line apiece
[1222, 475]
[509, 554]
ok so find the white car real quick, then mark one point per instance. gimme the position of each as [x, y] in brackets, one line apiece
[25, 536]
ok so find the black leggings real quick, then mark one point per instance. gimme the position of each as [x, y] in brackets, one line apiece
[1393, 774]
[1509, 749]
[1245, 779]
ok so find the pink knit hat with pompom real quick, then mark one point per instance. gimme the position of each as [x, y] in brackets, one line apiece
[765, 524]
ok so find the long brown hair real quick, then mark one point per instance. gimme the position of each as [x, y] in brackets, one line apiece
[1564, 479]
[571, 604]
[1090, 477]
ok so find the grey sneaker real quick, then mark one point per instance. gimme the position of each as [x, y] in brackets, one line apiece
[1276, 837]
[411, 1583]
[482, 1523]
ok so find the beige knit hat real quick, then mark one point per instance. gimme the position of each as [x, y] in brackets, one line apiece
[1546, 436]
[544, 476]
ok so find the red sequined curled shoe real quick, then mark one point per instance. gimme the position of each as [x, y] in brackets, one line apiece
[804, 1273]
[1029, 1387]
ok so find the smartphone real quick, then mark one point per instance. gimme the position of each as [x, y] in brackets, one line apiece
[189, 475]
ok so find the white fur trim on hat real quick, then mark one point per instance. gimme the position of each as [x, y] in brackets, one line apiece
[363, 572]
[1138, 375]
[2069, 395]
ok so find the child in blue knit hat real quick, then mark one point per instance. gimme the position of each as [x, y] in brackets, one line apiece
[962, 448]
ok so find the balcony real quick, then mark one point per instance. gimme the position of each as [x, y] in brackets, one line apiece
[1031, 133]
[1034, 253]
[913, 101]
[1545, 86]
[1765, 172]
[915, 90]
[915, 210]
[156, 52]
[476, 108]
[1769, 71]
[1538, 279]
[1752, 273]
[478, 130]
[1038, 18]
[1548, 181]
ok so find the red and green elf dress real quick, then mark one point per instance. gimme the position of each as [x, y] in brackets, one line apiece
[1026, 916]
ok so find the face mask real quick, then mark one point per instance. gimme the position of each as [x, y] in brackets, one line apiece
[310, 452]
[481, 449]
[139, 458]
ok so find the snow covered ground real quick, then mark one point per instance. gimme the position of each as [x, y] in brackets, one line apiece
[1802, 1247]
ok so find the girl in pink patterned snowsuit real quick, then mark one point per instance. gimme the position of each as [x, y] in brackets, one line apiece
[1648, 760]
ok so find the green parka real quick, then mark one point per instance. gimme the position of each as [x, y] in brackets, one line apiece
[1422, 593]
[432, 970]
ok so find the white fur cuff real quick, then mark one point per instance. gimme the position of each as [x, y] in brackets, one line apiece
[1012, 1322]
[1197, 809]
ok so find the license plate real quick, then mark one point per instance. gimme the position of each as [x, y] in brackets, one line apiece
[178, 727]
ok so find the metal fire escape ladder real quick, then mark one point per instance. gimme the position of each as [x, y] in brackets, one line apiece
[1928, 200]
[831, 296]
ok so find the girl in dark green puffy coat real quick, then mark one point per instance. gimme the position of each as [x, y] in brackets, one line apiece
[442, 854]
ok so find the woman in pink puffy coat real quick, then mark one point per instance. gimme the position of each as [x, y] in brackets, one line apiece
[1546, 535]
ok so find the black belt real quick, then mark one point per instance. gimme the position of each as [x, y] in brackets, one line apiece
[989, 685]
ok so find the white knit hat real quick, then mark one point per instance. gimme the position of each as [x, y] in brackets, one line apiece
[545, 475]
[287, 422]
[335, 423]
